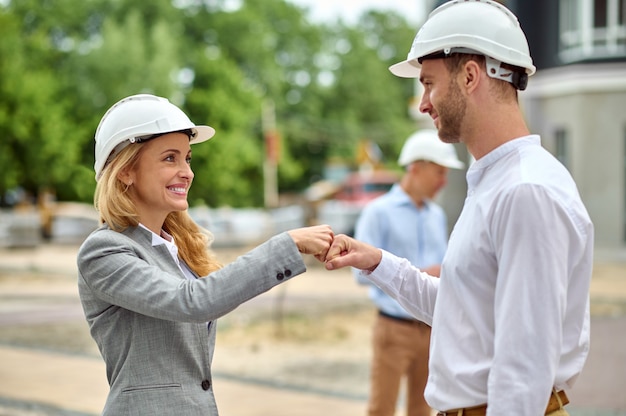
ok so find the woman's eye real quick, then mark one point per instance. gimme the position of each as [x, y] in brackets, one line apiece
[188, 159]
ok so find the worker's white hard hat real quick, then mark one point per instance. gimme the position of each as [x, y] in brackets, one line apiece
[426, 145]
[136, 118]
[470, 26]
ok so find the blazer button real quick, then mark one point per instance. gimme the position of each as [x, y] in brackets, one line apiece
[288, 273]
[206, 384]
[280, 276]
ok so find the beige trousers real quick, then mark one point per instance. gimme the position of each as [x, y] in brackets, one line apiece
[400, 351]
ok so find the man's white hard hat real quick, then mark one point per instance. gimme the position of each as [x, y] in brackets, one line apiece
[468, 26]
[137, 117]
[426, 145]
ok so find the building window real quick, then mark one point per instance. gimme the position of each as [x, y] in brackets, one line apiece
[591, 29]
[561, 149]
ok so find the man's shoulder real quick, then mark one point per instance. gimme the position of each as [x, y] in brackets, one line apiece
[381, 203]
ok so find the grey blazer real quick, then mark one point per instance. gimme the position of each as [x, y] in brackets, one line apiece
[150, 322]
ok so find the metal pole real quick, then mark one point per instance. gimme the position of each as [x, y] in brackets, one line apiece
[270, 175]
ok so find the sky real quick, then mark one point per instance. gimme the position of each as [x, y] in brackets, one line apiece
[350, 10]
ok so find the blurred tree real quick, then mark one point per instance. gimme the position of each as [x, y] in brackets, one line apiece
[227, 168]
[37, 149]
[367, 101]
[275, 49]
[63, 63]
[79, 58]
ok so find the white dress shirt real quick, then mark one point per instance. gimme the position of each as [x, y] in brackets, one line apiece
[168, 241]
[511, 317]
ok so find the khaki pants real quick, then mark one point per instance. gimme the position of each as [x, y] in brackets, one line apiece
[400, 349]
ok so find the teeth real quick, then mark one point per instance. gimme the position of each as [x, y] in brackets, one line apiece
[178, 189]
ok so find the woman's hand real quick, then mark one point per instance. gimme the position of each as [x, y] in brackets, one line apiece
[314, 240]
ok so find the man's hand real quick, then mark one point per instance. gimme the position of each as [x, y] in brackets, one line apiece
[346, 251]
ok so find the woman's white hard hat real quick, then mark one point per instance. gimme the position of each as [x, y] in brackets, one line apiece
[469, 26]
[140, 116]
[426, 145]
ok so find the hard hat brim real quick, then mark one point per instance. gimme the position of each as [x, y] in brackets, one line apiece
[406, 69]
[452, 164]
[203, 133]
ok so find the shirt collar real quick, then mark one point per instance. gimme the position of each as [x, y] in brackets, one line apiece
[400, 197]
[158, 240]
[474, 172]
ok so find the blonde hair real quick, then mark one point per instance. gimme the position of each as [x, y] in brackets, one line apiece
[117, 209]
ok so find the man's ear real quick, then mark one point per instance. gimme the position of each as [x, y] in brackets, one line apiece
[471, 76]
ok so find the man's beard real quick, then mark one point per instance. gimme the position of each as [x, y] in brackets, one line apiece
[451, 113]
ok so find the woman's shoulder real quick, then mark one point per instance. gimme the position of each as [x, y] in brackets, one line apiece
[105, 237]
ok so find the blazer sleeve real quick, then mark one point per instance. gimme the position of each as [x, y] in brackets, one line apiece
[116, 270]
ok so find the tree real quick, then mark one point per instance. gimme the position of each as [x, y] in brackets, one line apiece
[63, 63]
[227, 168]
[38, 149]
[275, 49]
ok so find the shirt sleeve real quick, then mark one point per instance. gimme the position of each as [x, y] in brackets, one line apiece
[414, 290]
[531, 232]
[118, 272]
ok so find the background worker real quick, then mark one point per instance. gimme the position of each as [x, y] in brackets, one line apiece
[408, 223]
[510, 311]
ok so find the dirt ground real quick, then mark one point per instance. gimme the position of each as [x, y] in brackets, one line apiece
[311, 334]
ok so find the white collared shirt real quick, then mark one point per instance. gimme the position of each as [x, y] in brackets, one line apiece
[172, 248]
[511, 317]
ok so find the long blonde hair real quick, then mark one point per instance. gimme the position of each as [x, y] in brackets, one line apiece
[118, 211]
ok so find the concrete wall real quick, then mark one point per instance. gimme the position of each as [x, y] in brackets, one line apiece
[587, 102]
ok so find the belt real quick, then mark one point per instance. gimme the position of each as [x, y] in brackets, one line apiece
[402, 320]
[553, 404]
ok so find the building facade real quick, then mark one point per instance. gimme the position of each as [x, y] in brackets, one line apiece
[577, 102]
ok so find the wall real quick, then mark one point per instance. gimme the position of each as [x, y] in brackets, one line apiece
[589, 103]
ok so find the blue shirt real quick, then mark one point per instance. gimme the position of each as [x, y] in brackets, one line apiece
[394, 223]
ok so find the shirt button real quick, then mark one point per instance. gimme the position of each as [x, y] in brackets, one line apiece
[206, 384]
[280, 276]
[288, 273]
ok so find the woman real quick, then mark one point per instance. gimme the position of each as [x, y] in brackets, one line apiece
[149, 288]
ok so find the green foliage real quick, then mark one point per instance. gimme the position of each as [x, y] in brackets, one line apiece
[37, 142]
[228, 167]
[63, 63]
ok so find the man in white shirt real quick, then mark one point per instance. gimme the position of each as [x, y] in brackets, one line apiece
[510, 312]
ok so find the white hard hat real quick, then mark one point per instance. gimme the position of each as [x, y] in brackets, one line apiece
[469, 26]
[426, 145]
[135, 117]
